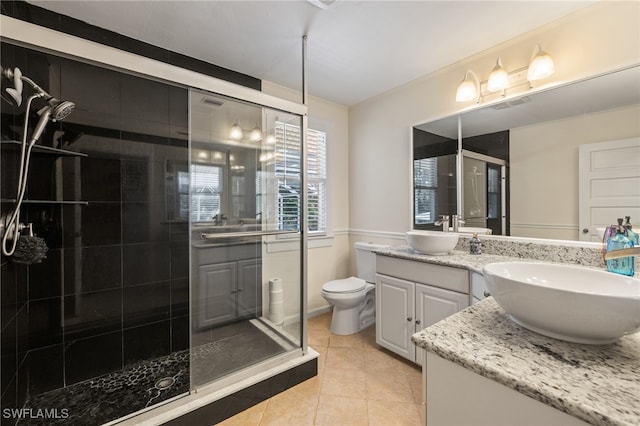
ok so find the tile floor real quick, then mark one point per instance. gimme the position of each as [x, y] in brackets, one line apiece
[358, 383]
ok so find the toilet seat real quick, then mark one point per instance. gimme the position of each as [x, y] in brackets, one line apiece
[346, 285]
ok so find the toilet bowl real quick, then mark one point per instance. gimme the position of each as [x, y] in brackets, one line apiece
[349, 298]
[353, 298]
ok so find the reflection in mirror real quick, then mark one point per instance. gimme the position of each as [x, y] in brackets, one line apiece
[545, 131]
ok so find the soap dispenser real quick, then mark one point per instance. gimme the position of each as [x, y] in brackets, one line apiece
[475, 245]
[623, 265]
[634, 237]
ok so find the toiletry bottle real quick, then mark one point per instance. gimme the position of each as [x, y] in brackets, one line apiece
[634, 237]
[475, 245]
[623, 265]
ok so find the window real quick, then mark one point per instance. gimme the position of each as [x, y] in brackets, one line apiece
[288, 157]
[425, 178]
[206, 192]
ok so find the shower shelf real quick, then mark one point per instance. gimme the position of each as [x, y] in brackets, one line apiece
[79, 203]
[45, 150]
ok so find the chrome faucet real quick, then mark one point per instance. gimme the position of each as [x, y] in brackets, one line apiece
[626, 252]
[457, 221]
[444, 221]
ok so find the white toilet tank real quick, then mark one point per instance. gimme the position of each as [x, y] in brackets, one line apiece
[366, 260]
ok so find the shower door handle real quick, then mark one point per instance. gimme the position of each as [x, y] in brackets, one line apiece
[220, 235]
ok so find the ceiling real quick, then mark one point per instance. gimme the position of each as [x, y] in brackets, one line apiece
[355, 50]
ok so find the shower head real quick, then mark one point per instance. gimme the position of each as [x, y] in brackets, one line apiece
[60, 109]
[14, 76]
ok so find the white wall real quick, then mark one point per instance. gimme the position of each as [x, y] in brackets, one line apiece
[600, 38]
[544, 169]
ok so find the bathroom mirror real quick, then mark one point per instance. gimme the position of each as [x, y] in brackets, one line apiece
[545, 130]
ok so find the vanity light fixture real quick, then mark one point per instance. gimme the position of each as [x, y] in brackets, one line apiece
[256, 134]
[498, 79]
[469, 89]
[541, 65]
[236, 132]
[271, 139]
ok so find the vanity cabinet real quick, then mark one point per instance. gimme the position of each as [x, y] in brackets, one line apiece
[411, 296]
[228, 284]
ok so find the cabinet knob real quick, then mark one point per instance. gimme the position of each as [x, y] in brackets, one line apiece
[418, 322]
[585, 231]
[486, 293]
[409, 319]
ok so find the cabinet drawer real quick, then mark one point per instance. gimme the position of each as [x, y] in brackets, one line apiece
[449, 278]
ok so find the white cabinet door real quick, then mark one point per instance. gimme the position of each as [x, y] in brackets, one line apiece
[248, 289]
[395, 303]
[434, 304]
[216, 294]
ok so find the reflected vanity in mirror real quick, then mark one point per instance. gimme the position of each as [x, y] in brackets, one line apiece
[520, 171]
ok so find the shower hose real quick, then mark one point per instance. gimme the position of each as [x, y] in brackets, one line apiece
[11, 226]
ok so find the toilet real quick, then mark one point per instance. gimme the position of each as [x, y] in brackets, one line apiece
[353, 298]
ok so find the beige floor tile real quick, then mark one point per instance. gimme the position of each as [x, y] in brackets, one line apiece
[387, 413]
[369, 337]
[322, 322]
[345, 358]
[343, 382]
[291, 407]
[388, 385]
[358, 383]
[415, 383]
[341, 411]
[350, 341]
[309, 386]
[248, 417]
[319, 337]
[380, 359]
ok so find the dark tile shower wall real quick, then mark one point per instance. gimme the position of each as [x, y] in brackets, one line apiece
[114, 287]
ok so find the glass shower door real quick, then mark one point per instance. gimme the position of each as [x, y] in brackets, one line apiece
[241, 194]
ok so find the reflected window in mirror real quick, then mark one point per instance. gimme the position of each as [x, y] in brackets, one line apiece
[434, 178]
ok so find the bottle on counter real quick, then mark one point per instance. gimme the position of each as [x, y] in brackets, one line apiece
[630, 234]
[475, 245]
[623, 265]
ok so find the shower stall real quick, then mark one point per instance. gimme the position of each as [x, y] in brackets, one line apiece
[174, 221]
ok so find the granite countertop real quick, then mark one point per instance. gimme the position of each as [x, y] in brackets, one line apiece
[597, 384]
[456, 258]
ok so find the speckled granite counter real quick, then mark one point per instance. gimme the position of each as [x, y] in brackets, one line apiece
[456, 259]
[597, 384]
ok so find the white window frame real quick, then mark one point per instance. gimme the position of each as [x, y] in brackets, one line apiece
[316, 171]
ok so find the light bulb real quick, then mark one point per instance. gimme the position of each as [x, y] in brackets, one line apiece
[236, 132]
[498, 79]
[255, 135]
[541, 65]
[468, 89]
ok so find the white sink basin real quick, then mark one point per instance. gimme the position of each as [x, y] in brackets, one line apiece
[565, 302]
[432, 242]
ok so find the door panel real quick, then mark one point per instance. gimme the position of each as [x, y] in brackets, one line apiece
[609, 185]
[216, 301]
[395, 302]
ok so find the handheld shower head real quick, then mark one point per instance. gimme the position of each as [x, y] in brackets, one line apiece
[55, 110]
[61, 109]
[15, 76]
